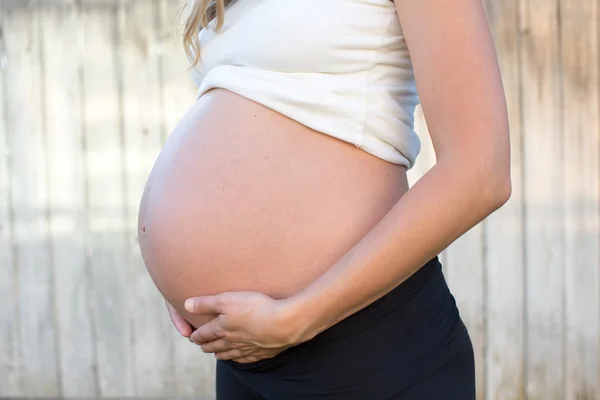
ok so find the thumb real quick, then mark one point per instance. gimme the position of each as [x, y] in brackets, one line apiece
[204, 305]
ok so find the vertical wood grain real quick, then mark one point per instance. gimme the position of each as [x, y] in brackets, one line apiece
[465, 270]
[581, 144]
[29, 198]
[504, 229]
[140, 71]
[544, 196]
[103, 124]
[9, 334]
[66, 193]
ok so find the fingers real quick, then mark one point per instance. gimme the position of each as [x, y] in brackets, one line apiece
[225, 350]
[217, 346]
[205, 304]
[229, 354]
[181, 324]
[209, 332]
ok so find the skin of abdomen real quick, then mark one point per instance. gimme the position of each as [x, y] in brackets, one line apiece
[244, 198]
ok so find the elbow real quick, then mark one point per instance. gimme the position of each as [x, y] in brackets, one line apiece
[497, 185]
[501, 191]
[493, 163]
[486, 175]
[489, 179]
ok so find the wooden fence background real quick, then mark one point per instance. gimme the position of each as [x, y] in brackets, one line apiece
[89, 90]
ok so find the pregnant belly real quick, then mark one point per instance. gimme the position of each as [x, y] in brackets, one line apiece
[243, 198]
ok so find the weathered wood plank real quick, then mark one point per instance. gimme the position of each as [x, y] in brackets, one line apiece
[195, 370]
[9, 334]
[504, 231]
[29, 198]
[107, 241]
[141, 71]
[178, 90]
[581, 144]
[465, 270]
[66, 181]
[543, 190]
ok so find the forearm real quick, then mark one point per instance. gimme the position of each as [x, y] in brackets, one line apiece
[445, 203]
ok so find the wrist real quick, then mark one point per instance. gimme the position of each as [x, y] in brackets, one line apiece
[299, 320]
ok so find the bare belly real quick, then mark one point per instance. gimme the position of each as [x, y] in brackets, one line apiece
[243, 198]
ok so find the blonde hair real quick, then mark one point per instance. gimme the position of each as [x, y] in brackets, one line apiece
[200, 13]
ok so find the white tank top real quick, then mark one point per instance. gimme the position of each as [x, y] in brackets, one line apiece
[340, 67]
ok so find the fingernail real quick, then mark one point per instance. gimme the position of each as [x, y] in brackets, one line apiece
[189, 305]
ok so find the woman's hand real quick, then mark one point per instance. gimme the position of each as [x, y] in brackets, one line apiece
[182, 325]
[250, 326]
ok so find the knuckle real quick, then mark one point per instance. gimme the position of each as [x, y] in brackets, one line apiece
[221, 332]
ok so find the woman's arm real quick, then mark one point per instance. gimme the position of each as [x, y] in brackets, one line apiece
[461, 93]
[462, 97]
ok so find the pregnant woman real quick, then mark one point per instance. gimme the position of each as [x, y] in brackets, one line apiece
[279, 208]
